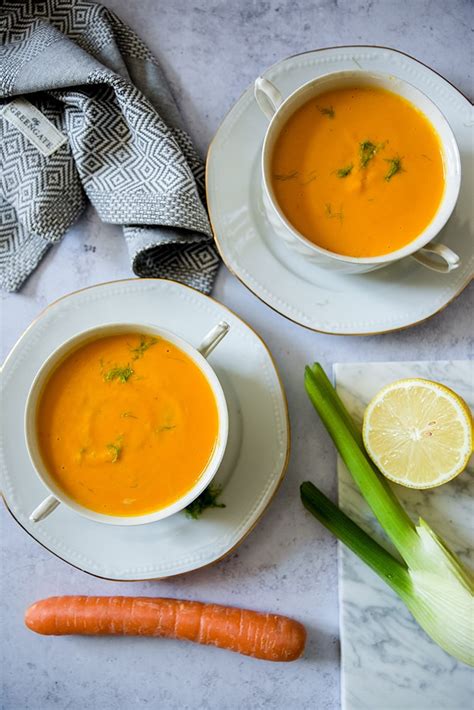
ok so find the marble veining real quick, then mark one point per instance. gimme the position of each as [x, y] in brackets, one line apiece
[387, 659]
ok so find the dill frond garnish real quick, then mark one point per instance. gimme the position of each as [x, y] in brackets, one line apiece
[345, 171]
[367, 151]
[286, 176]
[122, 374]
[334, 215]
[312, 175]
[327, 111]
[164, 427]
[207, 499]
[115, 449]
[395, 167]
[143, 346]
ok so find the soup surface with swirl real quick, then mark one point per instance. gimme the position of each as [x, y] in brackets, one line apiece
[127, 424]
[358, 171]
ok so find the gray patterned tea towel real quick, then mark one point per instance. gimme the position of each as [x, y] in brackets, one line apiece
[87, 113]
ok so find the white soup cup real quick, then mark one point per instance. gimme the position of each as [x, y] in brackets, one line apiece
[198, 355]
[435, 256]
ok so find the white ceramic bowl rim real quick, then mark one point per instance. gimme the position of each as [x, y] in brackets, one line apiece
[450, 153]
[62, 352]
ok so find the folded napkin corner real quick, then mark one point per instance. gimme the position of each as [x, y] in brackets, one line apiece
[126, 149]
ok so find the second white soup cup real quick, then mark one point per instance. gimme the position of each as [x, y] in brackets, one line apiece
[435, 256]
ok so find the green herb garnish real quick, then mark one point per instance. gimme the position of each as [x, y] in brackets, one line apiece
[165, 427]
[143, 346]
[395, 167]
[345, 171]
[286, 176]
[207, 499]
[128, 415]
[327, 111]
[367, 151]
[334, 215]
[122, 374]
[115, 450]
[312, 175]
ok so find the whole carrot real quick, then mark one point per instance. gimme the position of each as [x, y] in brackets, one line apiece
[267, 636]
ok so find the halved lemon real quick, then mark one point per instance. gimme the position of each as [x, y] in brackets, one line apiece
[418, 433]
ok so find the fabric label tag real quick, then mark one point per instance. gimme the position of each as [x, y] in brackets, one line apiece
[34, 125]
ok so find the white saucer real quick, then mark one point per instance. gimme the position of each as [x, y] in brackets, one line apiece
[394, 297]
[253, 465]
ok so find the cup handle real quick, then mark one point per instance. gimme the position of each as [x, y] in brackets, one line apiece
[444, 261]
[267, 96]
[44, 509]
[213, 338]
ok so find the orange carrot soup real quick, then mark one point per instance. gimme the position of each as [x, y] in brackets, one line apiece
[127, 424]
[358, 171]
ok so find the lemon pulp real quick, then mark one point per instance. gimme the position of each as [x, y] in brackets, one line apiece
[418, 433]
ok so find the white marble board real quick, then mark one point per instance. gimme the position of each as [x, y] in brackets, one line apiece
[387, 661]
